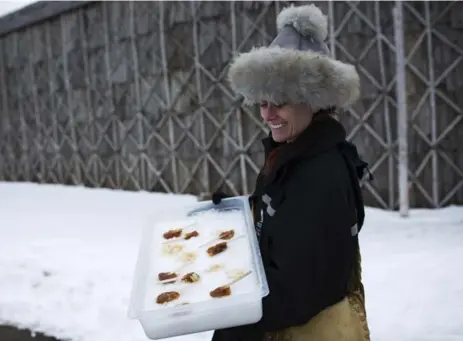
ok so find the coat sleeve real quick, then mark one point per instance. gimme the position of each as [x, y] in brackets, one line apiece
[311, 249]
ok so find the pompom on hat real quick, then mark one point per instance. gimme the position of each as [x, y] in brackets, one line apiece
[296, 67]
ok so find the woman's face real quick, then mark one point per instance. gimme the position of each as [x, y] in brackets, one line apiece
[286, 121]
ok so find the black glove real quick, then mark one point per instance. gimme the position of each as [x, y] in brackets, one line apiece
[218, 196]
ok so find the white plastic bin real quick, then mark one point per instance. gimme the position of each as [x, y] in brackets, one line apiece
[196, 311]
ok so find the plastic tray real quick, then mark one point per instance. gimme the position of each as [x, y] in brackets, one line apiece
[169, 321]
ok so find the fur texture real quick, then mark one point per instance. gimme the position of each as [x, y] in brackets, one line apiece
[307, 20]
[280, 75]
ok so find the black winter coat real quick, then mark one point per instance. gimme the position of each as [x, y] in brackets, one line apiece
[307, 213]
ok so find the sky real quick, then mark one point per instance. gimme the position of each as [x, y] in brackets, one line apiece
[7, 7]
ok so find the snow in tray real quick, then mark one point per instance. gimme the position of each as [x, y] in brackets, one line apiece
[236, 259]
[68, 254]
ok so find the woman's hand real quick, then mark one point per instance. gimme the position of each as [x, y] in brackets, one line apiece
[218, 196]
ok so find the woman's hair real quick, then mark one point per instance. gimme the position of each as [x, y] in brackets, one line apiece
[288, 147]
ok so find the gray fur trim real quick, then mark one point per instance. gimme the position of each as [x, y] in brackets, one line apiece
[307, 20]
[278, 75]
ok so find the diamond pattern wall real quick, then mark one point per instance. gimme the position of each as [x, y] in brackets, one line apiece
[133, 95]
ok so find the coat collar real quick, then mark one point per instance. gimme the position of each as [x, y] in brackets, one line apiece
[324, 133]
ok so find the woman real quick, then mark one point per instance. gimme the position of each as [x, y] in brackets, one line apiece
[307, 203]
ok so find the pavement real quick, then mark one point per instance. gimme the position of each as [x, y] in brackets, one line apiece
[9, 333]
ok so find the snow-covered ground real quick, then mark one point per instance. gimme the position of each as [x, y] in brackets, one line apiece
[67, 257]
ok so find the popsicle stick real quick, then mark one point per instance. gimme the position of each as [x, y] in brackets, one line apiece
[179, 269]
[236, 280]
[182, 237]
[221, 240]
[180, 291]
[229, 284]
[225, 290]
[217, 238]
[175, 280]
[170, 280]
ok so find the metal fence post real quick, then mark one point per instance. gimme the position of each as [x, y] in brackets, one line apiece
[402, 116]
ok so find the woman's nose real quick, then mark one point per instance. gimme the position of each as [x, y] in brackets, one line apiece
[267, 112]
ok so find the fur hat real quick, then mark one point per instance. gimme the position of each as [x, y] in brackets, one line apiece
[296, 67]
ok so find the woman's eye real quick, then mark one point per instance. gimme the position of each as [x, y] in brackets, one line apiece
[266, 104]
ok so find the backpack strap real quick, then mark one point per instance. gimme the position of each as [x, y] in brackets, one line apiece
[357, 168]
[356, 296]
